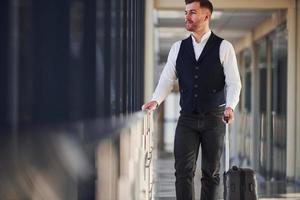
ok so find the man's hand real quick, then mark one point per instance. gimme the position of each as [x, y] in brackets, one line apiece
[228, 115]
[152, 105]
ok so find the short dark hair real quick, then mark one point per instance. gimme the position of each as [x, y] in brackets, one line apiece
[203, 3]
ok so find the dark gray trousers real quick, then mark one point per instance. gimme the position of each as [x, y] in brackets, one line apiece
[193, 130]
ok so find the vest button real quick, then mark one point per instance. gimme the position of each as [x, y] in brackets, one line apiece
[195, 86]
[196, 76]
[195, 95]
[196, 68]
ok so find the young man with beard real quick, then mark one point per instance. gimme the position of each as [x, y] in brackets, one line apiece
[209, 84]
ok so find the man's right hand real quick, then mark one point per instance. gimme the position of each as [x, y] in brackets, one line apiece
[152, 105]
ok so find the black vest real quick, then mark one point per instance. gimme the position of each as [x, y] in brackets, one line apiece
[202, 81]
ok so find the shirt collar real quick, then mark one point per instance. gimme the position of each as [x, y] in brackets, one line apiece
[204, 37]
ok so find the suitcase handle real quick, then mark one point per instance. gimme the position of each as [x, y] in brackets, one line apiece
[226, 147]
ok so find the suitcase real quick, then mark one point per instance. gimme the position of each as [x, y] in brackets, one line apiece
[239, 183]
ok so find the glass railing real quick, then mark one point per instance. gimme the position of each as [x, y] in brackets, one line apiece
[96, 159]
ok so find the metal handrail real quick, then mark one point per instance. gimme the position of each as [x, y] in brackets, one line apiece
[148, 169]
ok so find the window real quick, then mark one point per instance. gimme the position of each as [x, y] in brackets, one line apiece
[75, 60]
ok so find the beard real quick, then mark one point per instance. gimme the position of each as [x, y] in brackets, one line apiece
[190, 26]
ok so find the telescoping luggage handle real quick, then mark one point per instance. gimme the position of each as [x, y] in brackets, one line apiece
[226, 146]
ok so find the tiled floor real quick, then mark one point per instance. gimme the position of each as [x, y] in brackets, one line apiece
[164, 180]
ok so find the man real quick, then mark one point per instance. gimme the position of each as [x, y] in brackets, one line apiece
[209, 83]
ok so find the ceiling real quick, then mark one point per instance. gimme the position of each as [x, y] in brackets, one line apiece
[231, 25]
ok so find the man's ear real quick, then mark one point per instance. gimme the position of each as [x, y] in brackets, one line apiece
[206, 17]
[207, 14]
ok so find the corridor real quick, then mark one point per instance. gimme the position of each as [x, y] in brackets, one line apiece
[74, 75]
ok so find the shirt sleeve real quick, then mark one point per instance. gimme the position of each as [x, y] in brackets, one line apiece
[168, 76]
[232, 77]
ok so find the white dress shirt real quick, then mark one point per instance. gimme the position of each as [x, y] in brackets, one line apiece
[228, 61]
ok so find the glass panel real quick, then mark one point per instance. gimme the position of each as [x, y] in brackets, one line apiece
[279, 100]
[76, 73]
[244, 136]
[262, 66]
[273, 142]
[62, 64]
[247, 66]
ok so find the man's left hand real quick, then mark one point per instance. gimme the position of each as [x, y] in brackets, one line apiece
[228, 115]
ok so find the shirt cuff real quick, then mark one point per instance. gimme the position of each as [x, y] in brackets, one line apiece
[231, 106]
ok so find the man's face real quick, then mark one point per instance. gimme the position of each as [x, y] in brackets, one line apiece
[195, 16]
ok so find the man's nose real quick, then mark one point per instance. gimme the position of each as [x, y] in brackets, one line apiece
[187, 17]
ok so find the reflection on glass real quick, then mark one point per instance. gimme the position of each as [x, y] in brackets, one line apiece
[279, 101]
